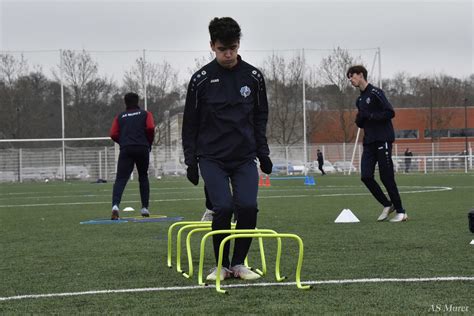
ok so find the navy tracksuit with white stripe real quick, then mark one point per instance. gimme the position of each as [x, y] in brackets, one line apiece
[224, 130]
[375, 117]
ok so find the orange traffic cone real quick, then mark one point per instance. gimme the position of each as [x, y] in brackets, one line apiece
[260, 181]
[267, 182]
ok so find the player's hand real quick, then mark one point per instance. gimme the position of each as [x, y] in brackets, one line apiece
[361, 117]
[266, 164]
[192, 173]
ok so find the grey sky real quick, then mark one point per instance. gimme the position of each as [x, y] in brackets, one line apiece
[419, 37]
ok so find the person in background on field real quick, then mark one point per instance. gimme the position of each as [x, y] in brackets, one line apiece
[408, 154]
[133, 130]
[224, 131]
[375, 115]
[320, 161]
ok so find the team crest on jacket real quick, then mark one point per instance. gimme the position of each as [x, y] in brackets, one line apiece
[245, 91]
[367, 100]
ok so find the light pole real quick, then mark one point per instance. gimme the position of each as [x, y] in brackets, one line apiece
[465, 124]
[431, 113]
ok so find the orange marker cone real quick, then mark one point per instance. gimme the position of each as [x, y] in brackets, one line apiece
[260, 181]
[267, 182]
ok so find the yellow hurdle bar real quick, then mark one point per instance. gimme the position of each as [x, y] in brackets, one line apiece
[240, 232]
[277, 265]
[170, 236]
[190, 259]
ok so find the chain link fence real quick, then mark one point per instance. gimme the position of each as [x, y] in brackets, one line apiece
[99, 162]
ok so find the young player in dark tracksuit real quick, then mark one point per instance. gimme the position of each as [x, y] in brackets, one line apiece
[375, 115]
[224, 130]
[133, 130]
[320, 162]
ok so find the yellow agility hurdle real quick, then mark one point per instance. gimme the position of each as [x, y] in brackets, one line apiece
[239, 232]
[204, 229]
[170, 236]
[261, 234]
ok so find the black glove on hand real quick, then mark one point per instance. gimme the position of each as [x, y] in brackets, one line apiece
[359, 120]
[266, 164]
[192, 173]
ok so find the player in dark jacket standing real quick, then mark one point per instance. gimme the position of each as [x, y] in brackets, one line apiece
[320, 162]
[375, 115]
[133, 130]
[224, 130]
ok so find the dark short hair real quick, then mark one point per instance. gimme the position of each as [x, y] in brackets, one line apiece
[131, 100]
[226, 30]
[357, 69]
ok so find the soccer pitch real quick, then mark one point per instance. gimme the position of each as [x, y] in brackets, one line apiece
[362, 268]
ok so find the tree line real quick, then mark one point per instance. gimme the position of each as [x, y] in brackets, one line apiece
[30, 101]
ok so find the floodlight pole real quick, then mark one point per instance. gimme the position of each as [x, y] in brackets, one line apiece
[61, 67]
[144, 80]
[380, 67]
[304, 112]
[465, 125]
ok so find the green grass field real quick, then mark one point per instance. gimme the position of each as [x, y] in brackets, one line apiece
[45, 250]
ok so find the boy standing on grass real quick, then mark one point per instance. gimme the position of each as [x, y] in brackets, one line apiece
[224, 131]
[133, 130]
[375, 115]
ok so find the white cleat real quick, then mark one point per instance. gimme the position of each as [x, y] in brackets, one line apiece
[207, 216]
[145, 213]
[385, 213]
[243, 272]
[225, 274]
[399, 217]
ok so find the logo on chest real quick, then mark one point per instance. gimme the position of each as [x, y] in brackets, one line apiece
[245, 91]
[367, 100]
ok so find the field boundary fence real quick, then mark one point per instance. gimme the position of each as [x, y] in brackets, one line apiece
[97, 160]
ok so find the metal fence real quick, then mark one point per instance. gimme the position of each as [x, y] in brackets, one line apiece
[99, 162]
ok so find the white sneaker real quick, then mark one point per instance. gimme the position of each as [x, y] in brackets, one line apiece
[243, 272]
[385, 213]
[399, 217]
[115, 213]
[207, 216]
[145, 213]
[225, 274]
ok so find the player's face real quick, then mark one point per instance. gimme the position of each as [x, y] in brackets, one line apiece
[226, 55]
[356, 79]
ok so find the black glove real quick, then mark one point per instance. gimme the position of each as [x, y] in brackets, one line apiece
[361, 117]
[192, 173]
[359, 121]
[266, 164]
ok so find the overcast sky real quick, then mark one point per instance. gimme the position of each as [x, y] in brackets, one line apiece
[418, 37]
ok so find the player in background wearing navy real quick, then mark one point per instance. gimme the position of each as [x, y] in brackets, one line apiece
[224, 131]
[134, 131]
[375, 115]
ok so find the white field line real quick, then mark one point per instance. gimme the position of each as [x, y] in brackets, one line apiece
[87, 194]
[430, 189]
[198, 287]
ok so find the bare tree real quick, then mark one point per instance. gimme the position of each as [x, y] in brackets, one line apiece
[284, 88]
[332, 72]
[11, 70]
[162, 91]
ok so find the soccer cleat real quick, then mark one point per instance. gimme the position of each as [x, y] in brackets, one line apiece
[399, 217]
[385, 213]
[115, 213]
[207, 216]
[225, 274]
[243, 272]
[145, 213]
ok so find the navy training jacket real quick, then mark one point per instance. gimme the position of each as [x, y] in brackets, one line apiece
[226, 113]
[378, 123]
[133, 127]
